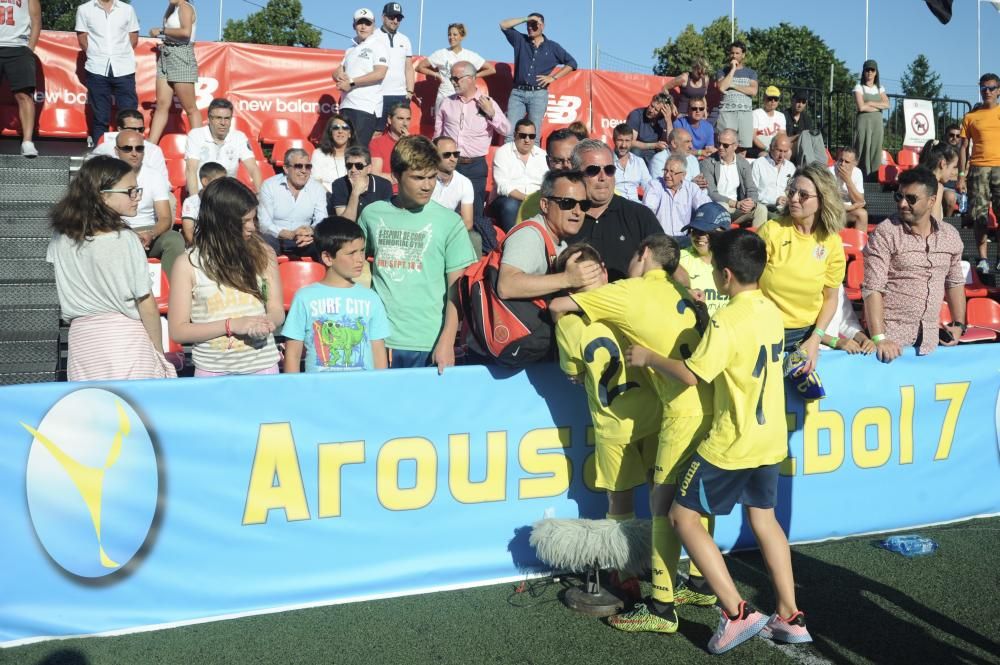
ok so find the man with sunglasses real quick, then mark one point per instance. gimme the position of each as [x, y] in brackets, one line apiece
[697, 125]
[350, 194]
[518, 169]
[291, 204]
[767, 121]
[360, 77]
[453, 190]
[131, 120]
[558, 157]
[730, 181]
[979, 163]
[397, 86]
[152, 221]
[538, 62]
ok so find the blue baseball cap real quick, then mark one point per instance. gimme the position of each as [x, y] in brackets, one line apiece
[710, 217]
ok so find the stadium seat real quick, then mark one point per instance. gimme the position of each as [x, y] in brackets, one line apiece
[161, 287]
[887, 171]
[173, 145]
[984, 314]
[830, 161]
[275, 129]
[284, 145]
[295, 275]
[853, 279]
[282, 259]
[907, 159]
[977, 332]
[854, 241]
[974, 287]
[10, 124]
[62, 123]
[244, 177]
[176, 175]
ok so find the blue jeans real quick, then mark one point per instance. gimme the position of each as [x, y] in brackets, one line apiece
[401, 359]
[100, 90]
[476, 171]
[531, 103]
[364, 125]
[505, 208]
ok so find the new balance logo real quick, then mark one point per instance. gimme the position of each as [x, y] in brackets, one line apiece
[562, 110]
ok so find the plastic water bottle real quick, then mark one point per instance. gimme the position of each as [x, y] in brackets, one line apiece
[910, 545]
[963, 203]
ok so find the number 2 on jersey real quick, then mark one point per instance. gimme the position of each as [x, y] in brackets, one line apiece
[761, 369]
[604, 393]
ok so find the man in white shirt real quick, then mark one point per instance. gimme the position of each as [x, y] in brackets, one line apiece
[674, 199]
[152, 221]
[131, 120]
[518, 169]
[360, 77]
[631, 171]
[219, 142]
[767, 121]
[680, 143]
[772, 173]
[18, 38]
[397, 86]
[453, 190]
[108, 31]
[730, 181]
[291, 204]
[852, 187]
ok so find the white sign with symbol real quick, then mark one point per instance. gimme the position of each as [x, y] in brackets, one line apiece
[919, 116]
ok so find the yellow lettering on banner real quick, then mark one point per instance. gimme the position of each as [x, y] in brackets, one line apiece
[494, 486]
[332, 458]
[815, 420]
[955, 394]
[390, 494]
[590, 464]
[556, 468]
[864, 457]
[787, 467]
[275, 479]
[907, 400]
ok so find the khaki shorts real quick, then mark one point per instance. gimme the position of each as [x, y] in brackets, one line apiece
[679, 439]
[625, 466]
[739, 121]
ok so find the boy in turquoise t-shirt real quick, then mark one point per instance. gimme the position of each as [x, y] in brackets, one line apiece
[341, 325]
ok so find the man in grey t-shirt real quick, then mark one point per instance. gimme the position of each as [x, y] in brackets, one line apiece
[738, 85]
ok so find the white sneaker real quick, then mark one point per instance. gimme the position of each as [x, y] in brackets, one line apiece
[983, 267]
[28, 149]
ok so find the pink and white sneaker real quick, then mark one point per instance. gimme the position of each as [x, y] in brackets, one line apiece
[790, 631]
[733, 631]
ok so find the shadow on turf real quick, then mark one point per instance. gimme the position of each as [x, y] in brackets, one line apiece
[65, 657]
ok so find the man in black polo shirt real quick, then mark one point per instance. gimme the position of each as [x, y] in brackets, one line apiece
[614, 225]
[349, 195]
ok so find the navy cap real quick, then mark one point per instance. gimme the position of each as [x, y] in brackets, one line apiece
[393, 9]
[710, 217]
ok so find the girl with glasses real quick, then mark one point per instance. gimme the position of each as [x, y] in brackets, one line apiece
[871, 100]
[328, 158]
[102, 278]
[176, 66]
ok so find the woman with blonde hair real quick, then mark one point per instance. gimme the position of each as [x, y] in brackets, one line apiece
[694, 83]
[176, 66]
[438, 64]
[805, 259]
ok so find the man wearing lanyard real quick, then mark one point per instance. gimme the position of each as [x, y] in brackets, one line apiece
[537, 63]
[471, 118]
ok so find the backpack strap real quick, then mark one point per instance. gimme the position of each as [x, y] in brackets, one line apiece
[550, 247]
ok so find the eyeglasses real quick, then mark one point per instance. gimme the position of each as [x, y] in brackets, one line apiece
[131, 192]
[869, 69]
[803, 195]
[339, 128]
[362, 21]
[397, 17]
[988, 88]
[524, 135]
[220, 118]
[359, 166]
[140, 129]
[301, 167]
[678, 174]
[132, 148]
[592, 170]
[566, 204]
[910, 198]
[448, 155]
[696, 108]
[456, 79]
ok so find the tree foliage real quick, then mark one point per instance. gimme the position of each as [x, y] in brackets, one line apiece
[919, 80]
[60, 14]
[676, 55]
[280, 23]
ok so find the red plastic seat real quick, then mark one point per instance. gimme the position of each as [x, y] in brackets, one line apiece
[888, 170]
[62, 123]
[907, 159]
[975, 333]
[983, 313]
[173, 145]
[10, 122]
[282, 146]
[275, 129]
[854, 241]
[830, 161]
[974, 287]
[161, 287]
[853, 279]
[295, 275]
[177, 177]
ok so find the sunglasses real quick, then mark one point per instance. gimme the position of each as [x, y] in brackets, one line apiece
[988, 88]
[726, 145]
[771, 99]
[362, 21]
[566, 204]
[592, 170]
[523, 135]
[132, 148]
[131, 192]
[339, 128]
[696, 108]
[954, 136]
[449, 155]
[356, 165]
[869, 69]
[301, 167]
[801, 193]
[910, 198]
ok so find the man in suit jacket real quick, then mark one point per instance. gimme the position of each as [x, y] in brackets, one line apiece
[730, 182]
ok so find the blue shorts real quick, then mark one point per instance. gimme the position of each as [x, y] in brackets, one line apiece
[709, 490]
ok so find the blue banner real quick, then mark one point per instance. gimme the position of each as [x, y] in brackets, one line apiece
[150, 503]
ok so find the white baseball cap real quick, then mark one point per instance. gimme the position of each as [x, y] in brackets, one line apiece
[364, 13]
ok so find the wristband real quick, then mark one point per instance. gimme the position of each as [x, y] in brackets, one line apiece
[819, 331]
[878, 338]
[834, 343]
[229, 330]
[961, 174]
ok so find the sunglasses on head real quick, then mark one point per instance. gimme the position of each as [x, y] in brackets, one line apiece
[910, 198]
[132, 148]
[448, 155]
[988, 88]
[301, 167]
[525, 135]
[592, 170]
[356, 165]
[566, 204]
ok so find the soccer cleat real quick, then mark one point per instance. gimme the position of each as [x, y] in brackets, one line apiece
[687, 595]
[641, 620]
[28, 149]
[790, 631]
[983, 267]
[733, 632]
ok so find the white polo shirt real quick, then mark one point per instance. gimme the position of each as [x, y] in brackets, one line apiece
[154, 188]
[109, 50]
[456, 192]
[233, 150]
[153, 157]
[510, 172]
[399, 49]
[359, 60]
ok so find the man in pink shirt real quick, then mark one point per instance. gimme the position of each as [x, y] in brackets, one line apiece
[471, 119]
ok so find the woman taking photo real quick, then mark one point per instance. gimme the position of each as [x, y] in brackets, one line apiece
[225, 293]
[328, 158]
[438, 64]
[805, 259]
[871, 100]
[176, 66]
[102, 278]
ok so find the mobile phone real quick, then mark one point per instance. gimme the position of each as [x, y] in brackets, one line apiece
[945, 336]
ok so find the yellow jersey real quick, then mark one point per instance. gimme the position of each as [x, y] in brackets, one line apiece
[741, 356]
[530, 207]
[622, 404]
[982, 127]
[798, 268]
[701, 279]
[653, 312]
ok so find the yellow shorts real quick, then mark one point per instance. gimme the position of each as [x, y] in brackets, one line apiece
[678, 440]
[624, 466]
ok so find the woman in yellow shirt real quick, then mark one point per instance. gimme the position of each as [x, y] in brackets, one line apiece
[805, 259]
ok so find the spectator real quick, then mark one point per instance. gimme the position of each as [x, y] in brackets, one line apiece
[953, 135]
[709, 220]
[526, 267]
[438, 64]
[102, 278]
[518, 169]
[219, 142]
[420, 251]
[844, 331]
[108, 31]
[852, 188]
[382, 145]
[152, 221]
[291, 204]
[226, 299]
[980, 153]
[674, 199]
[807, 140]
[805, 259]
[696, 124]
[558, 157]
[679, 144]
[694, 85]
[351, 194]
[131, 120]
[651, 125]
[631, 173]
[579, 130]
[772, 173]
[730, 182]
[871, 100]
[208, 172]
[614, 226]
[360, 76]
[176, 66]
[538, 62]
[912, 264]
[328, 158]
[941, 159]
[18, 38]
[738, 85]
[339, 323]
[453, 190]
[472, 119]
[767, 121]
[397, 86]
